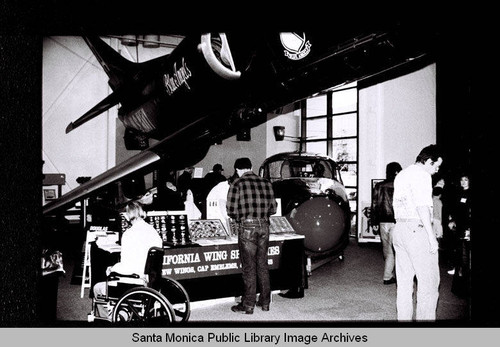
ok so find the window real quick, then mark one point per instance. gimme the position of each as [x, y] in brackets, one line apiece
[331, 128]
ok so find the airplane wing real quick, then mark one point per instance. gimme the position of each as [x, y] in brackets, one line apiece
[135, 163]
[173, 148]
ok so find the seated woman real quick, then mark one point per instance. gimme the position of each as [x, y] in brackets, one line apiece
[136, 242]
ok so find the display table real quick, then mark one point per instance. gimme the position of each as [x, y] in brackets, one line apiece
[100, 259]
[211, 268]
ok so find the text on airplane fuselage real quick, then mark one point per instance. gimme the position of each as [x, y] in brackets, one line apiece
[178, 78]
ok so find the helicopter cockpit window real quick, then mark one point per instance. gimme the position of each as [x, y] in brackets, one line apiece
[299, 168]
[311, 168]
[286, 170]
[273, 170]
[322, 168]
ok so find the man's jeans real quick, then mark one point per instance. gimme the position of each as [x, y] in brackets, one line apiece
[413, 258]
[253, 242]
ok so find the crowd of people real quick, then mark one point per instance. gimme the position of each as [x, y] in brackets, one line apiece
[250, 203]
[417, 214]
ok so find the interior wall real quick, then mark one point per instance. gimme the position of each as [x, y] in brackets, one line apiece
[231, 149]
[261, 146]
[397, 119]
[290, 119]
[72, 83]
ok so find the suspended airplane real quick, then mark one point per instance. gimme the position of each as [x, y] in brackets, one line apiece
[216, 85]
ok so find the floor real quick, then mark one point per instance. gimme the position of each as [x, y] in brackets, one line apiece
[349, 290]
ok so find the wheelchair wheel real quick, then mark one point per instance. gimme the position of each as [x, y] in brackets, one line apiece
[143, 305]
[178, 298]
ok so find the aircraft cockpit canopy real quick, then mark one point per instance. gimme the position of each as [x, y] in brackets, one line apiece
[284, 166]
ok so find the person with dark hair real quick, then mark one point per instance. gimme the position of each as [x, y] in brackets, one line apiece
[415, 244]
[184, 182]
[459, 225]
[214, 177]
[437, 209]
[211, 180]
[135, 244]
[382, 217]
[318, 170]
[250, 202]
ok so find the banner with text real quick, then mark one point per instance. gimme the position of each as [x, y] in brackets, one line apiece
[213, 260]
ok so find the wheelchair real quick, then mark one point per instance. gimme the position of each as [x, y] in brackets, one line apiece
[157, 300]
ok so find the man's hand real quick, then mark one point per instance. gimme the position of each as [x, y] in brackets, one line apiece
[424, 212]
[433, 245]
[436, 225]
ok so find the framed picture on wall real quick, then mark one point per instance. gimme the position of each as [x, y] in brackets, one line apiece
[366, 233]
[374, 183]
[49, 194]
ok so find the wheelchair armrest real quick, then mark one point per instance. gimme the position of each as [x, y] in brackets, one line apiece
[113, 276]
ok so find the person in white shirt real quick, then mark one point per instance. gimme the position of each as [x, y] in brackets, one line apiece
[219, 194]
[415, 243]
[135, 244]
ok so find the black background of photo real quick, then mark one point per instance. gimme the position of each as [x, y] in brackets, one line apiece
[467, 93]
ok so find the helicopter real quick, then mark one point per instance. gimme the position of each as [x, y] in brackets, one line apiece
[313, 199]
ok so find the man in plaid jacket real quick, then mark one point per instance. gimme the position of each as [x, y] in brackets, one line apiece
[250, 202]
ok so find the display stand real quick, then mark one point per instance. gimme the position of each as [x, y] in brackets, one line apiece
[172, 226]
[216, 209]
[93, 233]
[207, 229]
[211, 268]
[86, 274]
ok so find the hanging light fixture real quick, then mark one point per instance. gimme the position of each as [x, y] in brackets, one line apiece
[151, 41]
[129, 40]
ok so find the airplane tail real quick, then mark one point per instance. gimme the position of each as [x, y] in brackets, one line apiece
[116, 67]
